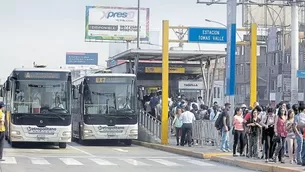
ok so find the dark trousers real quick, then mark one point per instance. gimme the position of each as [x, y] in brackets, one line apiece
[280, 148]
[268, 141]
[186, 131]
[238, 138]
[178, 134]
[2, 136]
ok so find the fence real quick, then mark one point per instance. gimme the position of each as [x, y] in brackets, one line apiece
[152, 124]
[205, 132]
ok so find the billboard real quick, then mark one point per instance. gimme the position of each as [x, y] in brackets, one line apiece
[115, 23]
[269, 15]
[73, 58]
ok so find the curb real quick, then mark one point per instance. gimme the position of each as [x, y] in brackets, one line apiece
[253, 165]
[179, 151]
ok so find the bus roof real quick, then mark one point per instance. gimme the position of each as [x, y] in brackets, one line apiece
[40, 70]
[106, 75]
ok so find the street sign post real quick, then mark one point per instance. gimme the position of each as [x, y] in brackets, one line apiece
[207, 35]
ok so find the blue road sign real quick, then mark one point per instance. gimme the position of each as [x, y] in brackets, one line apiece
[301, 73]
[207, 35]
[75, 58]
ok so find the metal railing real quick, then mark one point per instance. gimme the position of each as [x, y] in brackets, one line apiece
[152, 124]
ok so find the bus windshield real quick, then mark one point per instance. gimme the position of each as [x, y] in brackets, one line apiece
[108, 98]
[41, 97]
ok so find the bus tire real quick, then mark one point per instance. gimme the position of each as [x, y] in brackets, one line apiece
[62, 145]
[127, 142]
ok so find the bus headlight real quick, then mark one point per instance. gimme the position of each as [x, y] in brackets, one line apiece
[66, 133]
[15, 132]
[87, 131]
[134, 131]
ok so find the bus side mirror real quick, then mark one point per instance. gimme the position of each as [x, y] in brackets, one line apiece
[17, 87]
[80, 89]
[74, 92]
[8, 85]
[1, 92]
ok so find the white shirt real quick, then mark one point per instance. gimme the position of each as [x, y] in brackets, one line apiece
[187, 117]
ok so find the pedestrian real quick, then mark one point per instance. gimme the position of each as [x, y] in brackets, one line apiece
[225, 128]
[177, 124]
[187, 119]
[238, 131]
[2, 130]
[268, 133]
[281, 134]
[254, 129]
[291, 139]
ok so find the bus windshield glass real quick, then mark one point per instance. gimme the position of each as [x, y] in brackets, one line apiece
[41, 97]
[109, 96]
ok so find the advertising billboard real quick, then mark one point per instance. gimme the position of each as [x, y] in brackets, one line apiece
[74, 58]
[115, 23]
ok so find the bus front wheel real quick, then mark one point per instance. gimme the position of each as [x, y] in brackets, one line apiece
[62, 145]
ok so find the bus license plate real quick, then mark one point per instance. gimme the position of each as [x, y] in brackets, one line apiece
[41, 137]
[112, 135]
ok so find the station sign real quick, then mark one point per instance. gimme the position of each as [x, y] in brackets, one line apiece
[301, 73]
[207, 35]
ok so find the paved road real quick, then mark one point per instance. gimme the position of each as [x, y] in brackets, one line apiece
[78, 158]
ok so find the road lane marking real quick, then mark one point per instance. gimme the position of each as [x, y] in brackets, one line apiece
[70, 161]
[9, 160]
[75, 148]
[200, 163]
[135, 162]
[39, 161]
[165, 162]
[101, 161]
[120, 150]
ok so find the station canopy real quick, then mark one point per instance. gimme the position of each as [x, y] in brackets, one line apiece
[174, 55]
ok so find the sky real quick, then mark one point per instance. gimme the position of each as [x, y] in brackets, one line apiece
[43, 31]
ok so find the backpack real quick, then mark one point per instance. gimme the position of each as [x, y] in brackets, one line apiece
[219, 121]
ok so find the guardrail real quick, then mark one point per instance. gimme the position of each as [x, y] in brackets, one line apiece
[152, 124]
[205, 132]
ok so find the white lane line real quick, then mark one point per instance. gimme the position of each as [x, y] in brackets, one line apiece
[9, 160]
[101, 161]
[70, 161]
[165, 162]
[135, 162]
[82, 151]
[39, 161]
[200, 163]
[120, 150]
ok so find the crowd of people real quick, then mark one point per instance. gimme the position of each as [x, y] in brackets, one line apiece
[258, 132]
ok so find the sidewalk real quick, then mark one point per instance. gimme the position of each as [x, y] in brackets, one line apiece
[203, 152]
[257, 164]
[214, 154]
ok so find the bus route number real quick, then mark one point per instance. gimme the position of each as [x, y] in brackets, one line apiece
[100, 80]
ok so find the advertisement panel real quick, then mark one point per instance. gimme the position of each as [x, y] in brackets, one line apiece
[73, 58]
[115, 23]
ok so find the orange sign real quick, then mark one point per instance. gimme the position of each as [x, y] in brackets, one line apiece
[159, 70]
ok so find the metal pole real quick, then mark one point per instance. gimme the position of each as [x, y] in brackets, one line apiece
[253, 65]
[165, 58]
[138, 25]
[213, 79]
[283, 58]
[294, 52]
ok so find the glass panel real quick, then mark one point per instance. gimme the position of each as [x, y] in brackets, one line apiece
[41, 96]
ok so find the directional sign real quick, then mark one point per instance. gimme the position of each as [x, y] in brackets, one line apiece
[207, 35]
[301, 73]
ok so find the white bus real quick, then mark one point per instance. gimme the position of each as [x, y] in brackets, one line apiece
[103, 108]
[38, 106]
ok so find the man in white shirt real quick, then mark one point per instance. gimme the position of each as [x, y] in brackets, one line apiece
[187, 119]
